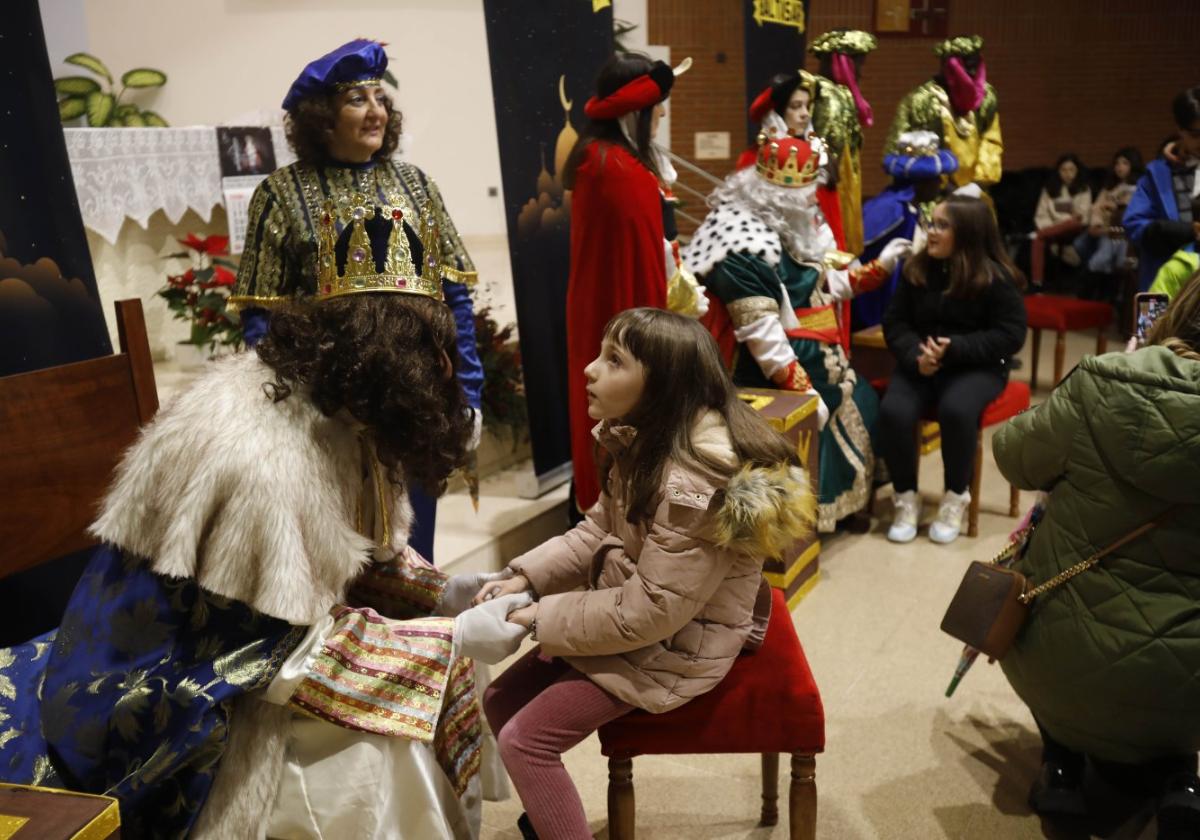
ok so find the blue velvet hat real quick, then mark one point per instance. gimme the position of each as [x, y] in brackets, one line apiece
[918, 156]
[358, 62]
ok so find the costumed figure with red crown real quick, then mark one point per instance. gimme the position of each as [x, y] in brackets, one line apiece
[767, 254]
[623, 249]
[344, 129]
[840, 112]
[960, 107]
[903, 210]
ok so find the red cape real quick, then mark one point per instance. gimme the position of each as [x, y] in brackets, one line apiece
[617, 263]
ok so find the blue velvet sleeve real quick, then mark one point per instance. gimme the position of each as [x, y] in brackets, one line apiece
[470, 370]
[254, 325]
[1142, 210]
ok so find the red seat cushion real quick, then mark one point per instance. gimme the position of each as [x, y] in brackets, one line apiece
[1012, 401]
[768, 702]
[1054, 312]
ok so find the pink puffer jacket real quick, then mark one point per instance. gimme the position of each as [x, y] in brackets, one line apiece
[664, 610]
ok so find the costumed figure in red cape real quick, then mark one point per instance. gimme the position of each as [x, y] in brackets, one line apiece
[623, 253]
[767, 253]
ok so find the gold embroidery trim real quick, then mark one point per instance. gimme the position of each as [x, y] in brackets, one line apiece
[822, 319]
[747, 310]
[466, 278]
[237, 302]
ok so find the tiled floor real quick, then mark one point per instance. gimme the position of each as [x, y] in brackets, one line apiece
[902, 761]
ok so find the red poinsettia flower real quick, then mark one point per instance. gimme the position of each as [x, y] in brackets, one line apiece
[221, 276]
[207, 245]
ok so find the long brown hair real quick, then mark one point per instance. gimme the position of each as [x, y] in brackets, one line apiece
[381, 358]
[618, 71]
[684, 378]
[979, 256]
[1178, 329]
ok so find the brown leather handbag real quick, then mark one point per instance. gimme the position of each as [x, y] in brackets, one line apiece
[992, 602]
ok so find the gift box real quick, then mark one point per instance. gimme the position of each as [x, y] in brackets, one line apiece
[793, 415]
[40, 813]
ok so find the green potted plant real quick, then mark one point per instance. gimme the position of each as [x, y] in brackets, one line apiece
[83, 96]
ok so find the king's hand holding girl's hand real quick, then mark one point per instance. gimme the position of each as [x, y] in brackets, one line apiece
[498, 588]
[524, 616]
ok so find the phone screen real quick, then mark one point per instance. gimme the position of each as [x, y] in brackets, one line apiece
[1149, 308]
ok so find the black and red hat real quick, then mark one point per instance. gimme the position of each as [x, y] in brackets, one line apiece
[637, 94]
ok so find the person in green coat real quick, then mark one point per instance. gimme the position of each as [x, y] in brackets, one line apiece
[1109, 662]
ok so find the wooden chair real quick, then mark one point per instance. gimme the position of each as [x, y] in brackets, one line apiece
[64, 429]
[768, 703]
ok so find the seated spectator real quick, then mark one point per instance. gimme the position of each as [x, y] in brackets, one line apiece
[1107, 662]
[1179, 270]
[1103, 245]
[953, 325]
[1159, 218]
[1063, 208]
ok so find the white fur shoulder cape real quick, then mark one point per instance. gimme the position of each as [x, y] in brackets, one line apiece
[256, 500]
[728, 229]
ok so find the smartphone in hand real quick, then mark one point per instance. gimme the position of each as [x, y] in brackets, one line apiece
[1148, 306]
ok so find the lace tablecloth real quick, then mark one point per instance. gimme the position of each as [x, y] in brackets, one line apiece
[132, 172]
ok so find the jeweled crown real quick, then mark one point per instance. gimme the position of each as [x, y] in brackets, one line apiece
[365, 245]
[786, 161]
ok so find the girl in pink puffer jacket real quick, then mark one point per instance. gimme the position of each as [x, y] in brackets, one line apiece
[648, 601]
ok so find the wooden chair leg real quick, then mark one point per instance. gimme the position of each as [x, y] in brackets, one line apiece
[1060, 355]
[976, 481]
[1014, 500]
[770, 774]
[802, 798]
[1101, 341]
[1033, 365]
[621, 812]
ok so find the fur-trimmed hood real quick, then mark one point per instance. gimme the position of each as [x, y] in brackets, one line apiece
[256, 500]
[761, 511]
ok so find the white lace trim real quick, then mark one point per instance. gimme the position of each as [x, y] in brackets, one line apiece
[134, 172]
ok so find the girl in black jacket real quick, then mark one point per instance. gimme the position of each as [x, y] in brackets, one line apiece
[953, 325]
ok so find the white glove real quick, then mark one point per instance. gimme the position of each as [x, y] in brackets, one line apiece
[484, 632]
[894, 251]
[822, 409]
[477, 430]
[701, 301]
[460, 589]
[768, 344]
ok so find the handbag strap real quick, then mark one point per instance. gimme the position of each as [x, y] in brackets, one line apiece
[1083, 565]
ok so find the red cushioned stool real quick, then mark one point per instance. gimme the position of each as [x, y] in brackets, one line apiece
[1012, 401]
[768, 703]
[1058, 313]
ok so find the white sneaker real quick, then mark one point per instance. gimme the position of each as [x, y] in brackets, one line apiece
[949, 519]
[906, 511]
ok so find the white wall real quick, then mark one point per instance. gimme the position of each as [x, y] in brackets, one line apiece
[226, 59]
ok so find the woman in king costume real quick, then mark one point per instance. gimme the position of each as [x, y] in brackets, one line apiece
[344, 129]
[766, 252]
[622, 231]
[254, 650]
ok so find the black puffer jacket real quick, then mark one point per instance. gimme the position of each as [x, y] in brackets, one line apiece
[984, 331]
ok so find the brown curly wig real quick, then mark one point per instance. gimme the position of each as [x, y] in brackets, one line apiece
[309, 125]
[379, 357]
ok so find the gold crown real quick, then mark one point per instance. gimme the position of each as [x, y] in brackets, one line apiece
[361, 270]
[792, 173]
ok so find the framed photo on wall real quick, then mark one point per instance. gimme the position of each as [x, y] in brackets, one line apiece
[912, 18]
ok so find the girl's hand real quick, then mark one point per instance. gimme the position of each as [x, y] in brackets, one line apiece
[497, 588]
[926, 365]
[523, 616]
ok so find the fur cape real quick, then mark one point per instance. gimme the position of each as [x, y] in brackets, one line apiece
[257, 501]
